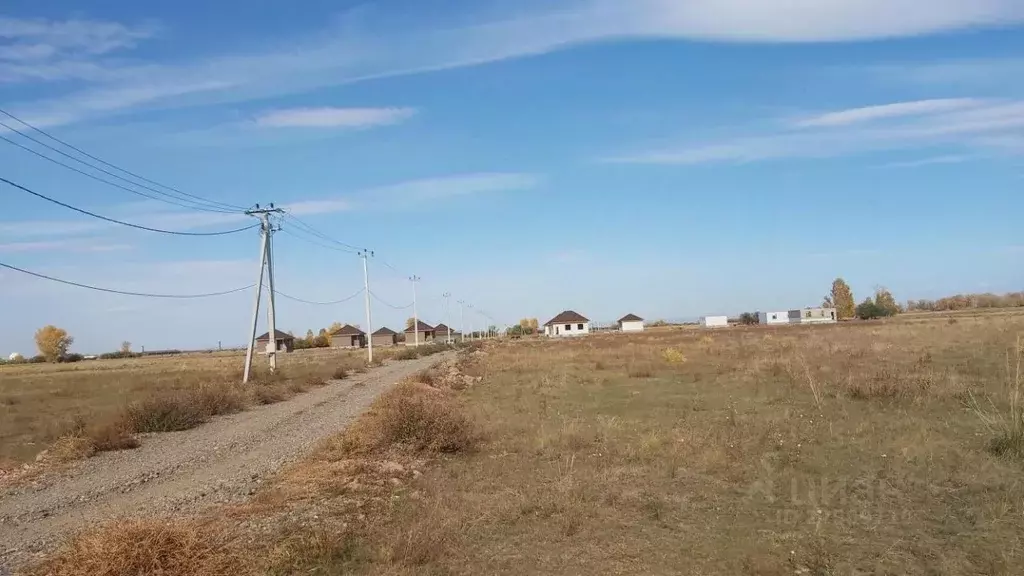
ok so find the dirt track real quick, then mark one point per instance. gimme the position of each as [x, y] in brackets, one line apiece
[182, 472]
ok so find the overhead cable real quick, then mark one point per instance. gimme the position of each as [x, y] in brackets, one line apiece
[311, 230]
[343, 300]
[114, 184]
[124, 292]
[389, 305]
[129, 224]
[316, 242]
[180, 193]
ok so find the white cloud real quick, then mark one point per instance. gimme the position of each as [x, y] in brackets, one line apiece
[311, 207]
[39, 49]
[334, 117]
[367, 47]
[947, 159]
[899, 109]
[981, 127]
[427, 189]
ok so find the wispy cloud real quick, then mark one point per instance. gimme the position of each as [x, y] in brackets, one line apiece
[372, 46]
[899, 109]
[76, 246]
[947, 159]
[40, 49]
[981, 126]
[334, 117]
[427, 189]
[311, 207]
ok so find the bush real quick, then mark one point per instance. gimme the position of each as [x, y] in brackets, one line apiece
[183, 410]
[412, 415]
[73, 357]
[749, 318]
[148, 547]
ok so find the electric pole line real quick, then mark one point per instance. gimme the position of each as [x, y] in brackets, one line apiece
[267, 230]
[415, 316]
[462, 321]
[470, 306]
[366, 294]
[448, 314]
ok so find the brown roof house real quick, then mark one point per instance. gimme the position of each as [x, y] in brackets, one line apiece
[441, 334]
[426, 334]
[567, 324]
[348, 336]
[384, 337]
[285, 341]
[631, 323]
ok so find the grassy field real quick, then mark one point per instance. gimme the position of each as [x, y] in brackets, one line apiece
[42, 403]
[863, 448]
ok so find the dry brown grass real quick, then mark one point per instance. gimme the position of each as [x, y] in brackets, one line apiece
[845, 449]
[138, 547]
[98, 405]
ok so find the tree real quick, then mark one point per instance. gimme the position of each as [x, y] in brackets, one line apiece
[53, 342]
[867, 310]
[309, 336]
[534, 325]
[842, 298]
[126, 348]
[749, 318]
[334, 327]
[885, 303]
[409, 322]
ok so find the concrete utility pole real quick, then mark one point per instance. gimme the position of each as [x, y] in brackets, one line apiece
[415, 316]
[462, 321]
[266, 265]
[366, 293]
[470, 306]
[448, 314]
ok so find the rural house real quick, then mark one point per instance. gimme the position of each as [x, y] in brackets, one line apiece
[384, 337]
[426, 334]
[631, 323]
[567, 323]
[348, 336]
[285, 341]
[768, 318]
[813, 316]
[441, 333]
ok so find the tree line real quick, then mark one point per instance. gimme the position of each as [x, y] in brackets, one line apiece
[968, 301]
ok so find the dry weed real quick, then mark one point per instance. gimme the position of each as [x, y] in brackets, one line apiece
[149, 547]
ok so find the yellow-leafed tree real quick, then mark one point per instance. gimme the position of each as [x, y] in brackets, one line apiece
[53, 342]
[842, 298]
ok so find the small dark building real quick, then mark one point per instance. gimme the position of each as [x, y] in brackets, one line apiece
[441, 334]
[384, 337]
[426, 334]
[348, 336]
[285, 341]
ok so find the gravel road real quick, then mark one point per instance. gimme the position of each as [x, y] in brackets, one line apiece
[183, 472]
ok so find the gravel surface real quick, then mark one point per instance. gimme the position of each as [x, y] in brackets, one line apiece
[183, 472]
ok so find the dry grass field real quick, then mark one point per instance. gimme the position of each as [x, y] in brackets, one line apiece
[97, 405]
[868, 448]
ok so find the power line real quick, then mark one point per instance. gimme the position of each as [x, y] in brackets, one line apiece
[124, 292]
[129, 224]
[201, 200]
[389, 305]
[316, 242]
[311, 230]
[343, 300]
[114, 184]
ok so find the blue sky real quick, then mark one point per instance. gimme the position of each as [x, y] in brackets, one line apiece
[667, 158]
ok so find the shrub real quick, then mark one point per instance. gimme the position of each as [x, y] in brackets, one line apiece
[673, 356]
[148, 547]
[407, 353]
[168, 413]
[340, 373]
[749, 318]
[73, 357]
[640, 371]
[417, 417]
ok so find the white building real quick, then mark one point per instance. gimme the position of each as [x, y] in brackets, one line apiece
[714, 321]
[773, 318]
[813, 316]
[567, 324]
[631, 323]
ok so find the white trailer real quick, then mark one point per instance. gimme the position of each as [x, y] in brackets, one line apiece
[714, 321]
[764, 318]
